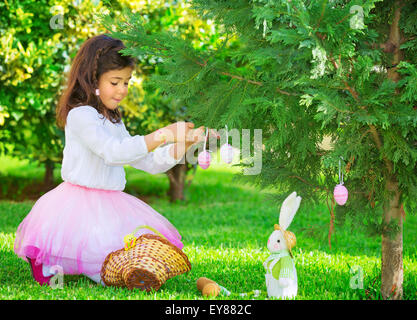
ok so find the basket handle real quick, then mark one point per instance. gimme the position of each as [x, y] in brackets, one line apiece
[130, 239]
[150, 228]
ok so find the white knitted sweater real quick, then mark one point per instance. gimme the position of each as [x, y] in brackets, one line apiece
[97, 149]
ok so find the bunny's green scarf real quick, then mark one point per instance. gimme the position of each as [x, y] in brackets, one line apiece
[284, 267]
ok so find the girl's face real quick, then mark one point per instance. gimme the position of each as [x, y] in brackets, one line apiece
[113, 86]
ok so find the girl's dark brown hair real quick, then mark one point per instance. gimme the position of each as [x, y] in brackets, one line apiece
[96, 56]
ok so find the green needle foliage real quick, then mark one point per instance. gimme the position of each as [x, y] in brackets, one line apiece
[300, 71]
[303, 71]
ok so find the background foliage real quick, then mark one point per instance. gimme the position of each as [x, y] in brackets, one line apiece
[36, 49]
[301, 72]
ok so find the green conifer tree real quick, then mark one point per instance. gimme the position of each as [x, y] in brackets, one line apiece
[303, 71]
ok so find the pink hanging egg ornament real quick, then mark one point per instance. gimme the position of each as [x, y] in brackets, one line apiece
[226, 153]
[340, 194]
[204, 159]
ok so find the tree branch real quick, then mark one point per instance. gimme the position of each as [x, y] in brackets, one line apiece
[395, 39]
[304, 181]
[373, 130]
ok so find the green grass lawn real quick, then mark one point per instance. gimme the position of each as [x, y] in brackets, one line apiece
[225, 226]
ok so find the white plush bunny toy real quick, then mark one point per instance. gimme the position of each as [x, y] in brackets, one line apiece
[281, 276]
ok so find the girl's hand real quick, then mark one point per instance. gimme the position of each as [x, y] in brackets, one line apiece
[195, 136]
[183, 132]
[175, 132]
[199, 135]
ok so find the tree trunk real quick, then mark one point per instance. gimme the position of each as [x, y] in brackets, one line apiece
[48, 179]
[176, 177]
[392, 248]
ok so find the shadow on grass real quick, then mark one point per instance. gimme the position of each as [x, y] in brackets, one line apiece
[218, 215]
[316, 280]
[243, 277]
[22, 188]
[14, 269]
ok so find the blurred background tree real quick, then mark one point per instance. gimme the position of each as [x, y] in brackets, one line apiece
[302, 71]
[147, 107]
[38, 41]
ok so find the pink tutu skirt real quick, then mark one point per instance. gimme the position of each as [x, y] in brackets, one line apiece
[76, 227]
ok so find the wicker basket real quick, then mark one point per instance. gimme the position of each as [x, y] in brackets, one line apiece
[146, 265]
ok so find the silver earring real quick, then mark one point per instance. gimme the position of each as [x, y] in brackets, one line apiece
[97, 92]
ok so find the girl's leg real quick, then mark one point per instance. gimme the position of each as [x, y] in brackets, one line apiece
[96, 278]
[38, 273]
[50, 271]
[46, 271]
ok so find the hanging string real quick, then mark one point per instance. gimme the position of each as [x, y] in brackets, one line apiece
[227, 134]
[205, 140]
[340, 172]
[265, 28]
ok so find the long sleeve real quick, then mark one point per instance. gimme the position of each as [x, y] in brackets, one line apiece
[157, 161]
[115, 151]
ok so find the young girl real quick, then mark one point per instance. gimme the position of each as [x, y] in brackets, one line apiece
[74, 227]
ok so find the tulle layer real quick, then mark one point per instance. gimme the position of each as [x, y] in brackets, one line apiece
[76, 227]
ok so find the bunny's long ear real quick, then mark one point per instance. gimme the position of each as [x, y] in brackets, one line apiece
[288, 209]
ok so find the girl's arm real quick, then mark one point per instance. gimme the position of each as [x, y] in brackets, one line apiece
[164, 158]
[179, 149]
[175, 132]
[195, 136]
[160, 160]
[85, 123]
[153, 141]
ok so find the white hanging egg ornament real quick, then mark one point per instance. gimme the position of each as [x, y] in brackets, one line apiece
[204, 159]
[226, 153]
[340, 194]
